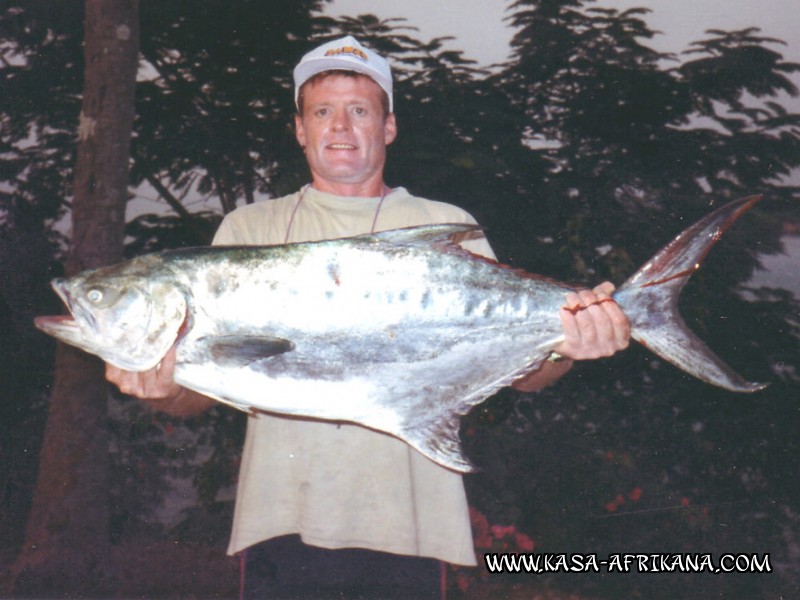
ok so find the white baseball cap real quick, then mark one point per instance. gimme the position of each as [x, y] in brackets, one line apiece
[346, 54]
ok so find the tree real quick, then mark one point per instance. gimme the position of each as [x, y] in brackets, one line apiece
[629, 452]
[626, 137]
[224, 77]
[67, 541]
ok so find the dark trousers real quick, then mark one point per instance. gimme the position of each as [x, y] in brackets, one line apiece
[285, 568]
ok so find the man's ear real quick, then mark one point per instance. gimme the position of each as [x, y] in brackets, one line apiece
[299, 131]
[390, 129]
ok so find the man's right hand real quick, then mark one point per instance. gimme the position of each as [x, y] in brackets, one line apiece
[157, 388]
[156, 384]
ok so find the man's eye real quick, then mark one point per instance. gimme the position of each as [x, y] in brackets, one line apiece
[360, 111]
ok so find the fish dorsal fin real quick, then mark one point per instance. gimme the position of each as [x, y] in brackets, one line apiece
[242, 350]
[425, 235]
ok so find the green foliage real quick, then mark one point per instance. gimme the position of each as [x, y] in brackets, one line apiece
[215, 102]
[41, 75]
[581, 156]
[173, 477]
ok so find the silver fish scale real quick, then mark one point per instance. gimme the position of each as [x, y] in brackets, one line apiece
[365, 311]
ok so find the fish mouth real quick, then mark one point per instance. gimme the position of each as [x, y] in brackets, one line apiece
[62, 327]
[55, 323]
[61, 287]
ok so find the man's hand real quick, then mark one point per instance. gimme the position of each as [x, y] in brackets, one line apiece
[157, 388]
[594, 325]
[156, 384]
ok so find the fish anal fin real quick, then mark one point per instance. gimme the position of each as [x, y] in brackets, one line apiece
[439, 441]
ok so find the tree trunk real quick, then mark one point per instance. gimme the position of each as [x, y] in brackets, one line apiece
[67, 543]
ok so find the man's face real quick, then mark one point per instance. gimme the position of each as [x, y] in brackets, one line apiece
[344, 130]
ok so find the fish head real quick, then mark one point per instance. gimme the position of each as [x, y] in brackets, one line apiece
[128, 320]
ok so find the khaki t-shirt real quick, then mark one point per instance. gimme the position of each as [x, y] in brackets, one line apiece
[342, 485]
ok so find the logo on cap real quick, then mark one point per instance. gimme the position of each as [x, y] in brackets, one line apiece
[352, 50]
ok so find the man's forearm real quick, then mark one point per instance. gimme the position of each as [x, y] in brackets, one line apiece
[186, 403]
[547, 374]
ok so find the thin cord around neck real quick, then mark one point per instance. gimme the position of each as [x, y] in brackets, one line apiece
[386, 189]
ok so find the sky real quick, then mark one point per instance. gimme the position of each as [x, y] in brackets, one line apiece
[483, 33]
[481, 28]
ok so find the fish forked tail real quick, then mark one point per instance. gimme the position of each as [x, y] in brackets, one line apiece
[650, 300]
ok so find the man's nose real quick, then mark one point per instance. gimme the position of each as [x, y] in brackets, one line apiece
[341, 120]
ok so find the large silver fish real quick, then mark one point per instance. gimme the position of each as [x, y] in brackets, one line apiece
[400, 331]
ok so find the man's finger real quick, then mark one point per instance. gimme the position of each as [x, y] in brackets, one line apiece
[572, 334]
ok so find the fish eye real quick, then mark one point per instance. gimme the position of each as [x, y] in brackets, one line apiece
[94, 295]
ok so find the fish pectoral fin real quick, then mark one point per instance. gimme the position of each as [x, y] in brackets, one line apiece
[242, 350]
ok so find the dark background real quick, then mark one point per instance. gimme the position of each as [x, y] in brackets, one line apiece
[581, 156]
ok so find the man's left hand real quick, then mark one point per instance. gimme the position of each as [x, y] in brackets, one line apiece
[594, 325]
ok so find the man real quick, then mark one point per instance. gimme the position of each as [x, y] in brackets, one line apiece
[338, 508]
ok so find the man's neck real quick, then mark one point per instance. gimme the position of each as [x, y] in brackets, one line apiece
[367, 189]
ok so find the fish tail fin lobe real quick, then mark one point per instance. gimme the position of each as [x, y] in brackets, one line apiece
[650, 300]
